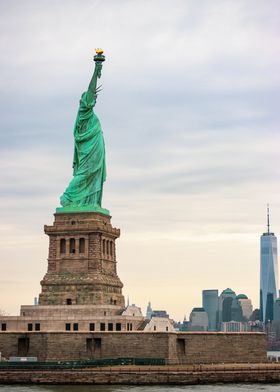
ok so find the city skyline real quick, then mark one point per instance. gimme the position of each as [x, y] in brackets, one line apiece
[191, 126]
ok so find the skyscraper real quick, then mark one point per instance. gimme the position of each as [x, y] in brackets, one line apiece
[210, 304]
[224, 306]
[198, 320]
[246, 305]
[236, 310]
[149, 311]
[268, 273]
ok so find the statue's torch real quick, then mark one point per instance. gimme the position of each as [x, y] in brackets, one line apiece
[99, 57]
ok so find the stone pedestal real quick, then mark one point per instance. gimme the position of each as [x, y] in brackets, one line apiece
[82, 261]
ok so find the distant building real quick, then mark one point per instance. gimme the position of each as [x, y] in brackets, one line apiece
[160, 313]
[184, 326]
[132, 311]
[232, 307]
[225, 302]
[236, 310]
[246, 306]
[256, 326]
[198, 320]
[235, 326]
[210, 304]
[149, 311]
[159, 324]
[276, 310]
[255, 315]
[268, 273]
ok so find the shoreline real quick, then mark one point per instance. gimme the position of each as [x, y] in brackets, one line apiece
[148, 375]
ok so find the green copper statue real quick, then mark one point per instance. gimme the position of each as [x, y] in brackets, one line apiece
[84, 193]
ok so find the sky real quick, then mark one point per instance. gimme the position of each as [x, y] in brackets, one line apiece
[190, 116]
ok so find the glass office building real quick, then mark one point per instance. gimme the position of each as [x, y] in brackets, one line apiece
[210, 304]
[268, 274]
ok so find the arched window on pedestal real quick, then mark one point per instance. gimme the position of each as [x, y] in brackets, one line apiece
[81, 245]
[62, 246]
[72, 245]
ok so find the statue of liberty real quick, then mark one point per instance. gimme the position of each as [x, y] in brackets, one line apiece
[84, 193]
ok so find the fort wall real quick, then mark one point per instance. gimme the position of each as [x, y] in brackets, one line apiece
[175, 348]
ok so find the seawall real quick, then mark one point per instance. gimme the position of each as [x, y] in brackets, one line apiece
[134, 375]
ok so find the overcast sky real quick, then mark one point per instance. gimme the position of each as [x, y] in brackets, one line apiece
[190, 115]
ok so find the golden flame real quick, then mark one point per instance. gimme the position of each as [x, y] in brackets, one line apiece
[99, 51]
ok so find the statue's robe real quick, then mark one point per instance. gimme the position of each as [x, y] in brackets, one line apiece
[89, 166]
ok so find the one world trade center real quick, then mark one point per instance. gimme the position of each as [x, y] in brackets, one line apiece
[268, 273]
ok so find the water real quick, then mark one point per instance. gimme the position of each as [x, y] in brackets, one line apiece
[96, 388]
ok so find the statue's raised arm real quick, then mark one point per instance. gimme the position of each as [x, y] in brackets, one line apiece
[92, 90]
[84, 193]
